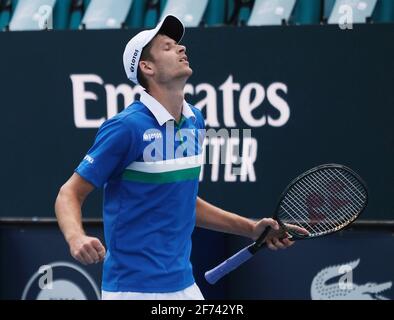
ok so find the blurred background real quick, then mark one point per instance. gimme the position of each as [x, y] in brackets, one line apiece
[312, 80]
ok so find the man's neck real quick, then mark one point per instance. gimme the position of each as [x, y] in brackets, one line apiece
[171, 99]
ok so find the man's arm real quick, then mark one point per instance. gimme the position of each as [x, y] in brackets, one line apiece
[68, 212]
[210, 217]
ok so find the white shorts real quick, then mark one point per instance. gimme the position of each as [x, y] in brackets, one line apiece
[190, 293]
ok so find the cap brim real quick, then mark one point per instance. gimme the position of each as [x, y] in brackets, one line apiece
[172, 27]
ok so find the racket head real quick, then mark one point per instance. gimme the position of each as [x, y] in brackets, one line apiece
[323, 200]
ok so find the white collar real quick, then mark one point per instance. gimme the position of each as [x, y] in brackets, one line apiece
[161, 114]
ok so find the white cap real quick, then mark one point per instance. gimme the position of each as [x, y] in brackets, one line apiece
[169, 25]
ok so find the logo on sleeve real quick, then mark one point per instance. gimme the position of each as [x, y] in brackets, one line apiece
[89, 159]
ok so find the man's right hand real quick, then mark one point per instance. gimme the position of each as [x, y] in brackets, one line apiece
[87, 250]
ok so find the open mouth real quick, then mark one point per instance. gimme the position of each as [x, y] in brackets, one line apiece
[184, 59]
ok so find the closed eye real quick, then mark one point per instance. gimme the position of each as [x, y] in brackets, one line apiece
[168, 45]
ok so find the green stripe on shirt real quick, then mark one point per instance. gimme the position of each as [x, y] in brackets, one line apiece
[162, 177]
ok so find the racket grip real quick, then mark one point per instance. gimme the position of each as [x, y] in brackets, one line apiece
[213, 275]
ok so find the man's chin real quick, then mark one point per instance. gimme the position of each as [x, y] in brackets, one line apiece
[189, 71]
[186, 73]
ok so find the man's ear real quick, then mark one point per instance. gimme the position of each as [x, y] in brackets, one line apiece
[146, 67]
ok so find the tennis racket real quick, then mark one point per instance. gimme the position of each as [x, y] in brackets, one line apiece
[323, 200]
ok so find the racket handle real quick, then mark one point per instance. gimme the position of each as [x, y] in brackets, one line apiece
[213, 275]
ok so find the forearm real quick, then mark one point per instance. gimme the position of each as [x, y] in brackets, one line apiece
[210, 217]
[68, 213]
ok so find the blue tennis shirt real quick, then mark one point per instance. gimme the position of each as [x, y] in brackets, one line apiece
[149, 167]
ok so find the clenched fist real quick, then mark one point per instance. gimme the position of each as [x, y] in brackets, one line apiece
[86, 249]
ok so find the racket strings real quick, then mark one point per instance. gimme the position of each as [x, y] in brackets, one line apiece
[348, 213]
[327, 223]
[354, 192]
[357, 187]
[297, 209]
[315, 202]
[323, 201]
[336, 219]
[312, 217]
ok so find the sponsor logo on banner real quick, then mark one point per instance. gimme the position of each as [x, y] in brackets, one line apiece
[61, 281]
[336, 283]
[247, 105]
[236, 149]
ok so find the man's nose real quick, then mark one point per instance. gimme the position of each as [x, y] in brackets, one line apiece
[181, 48]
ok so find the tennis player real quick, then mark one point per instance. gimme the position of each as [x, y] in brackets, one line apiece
[150, 200]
